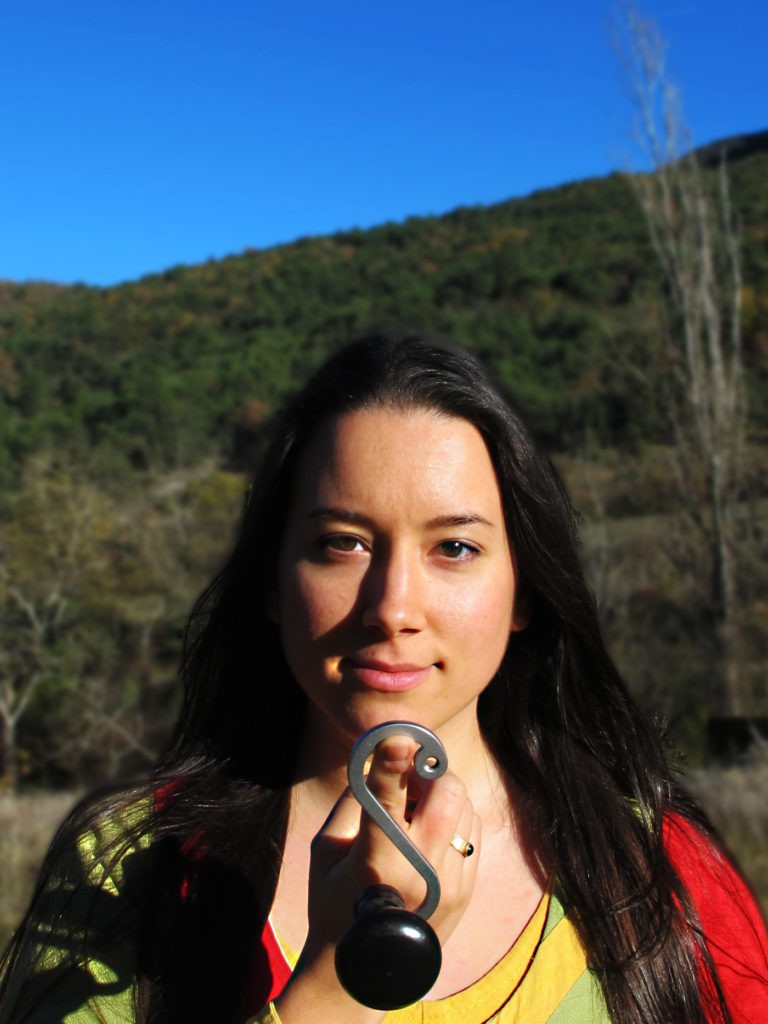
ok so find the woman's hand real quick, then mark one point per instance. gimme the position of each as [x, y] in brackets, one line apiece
[351, 852]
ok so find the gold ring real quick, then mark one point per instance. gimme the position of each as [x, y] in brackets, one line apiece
[462, 846]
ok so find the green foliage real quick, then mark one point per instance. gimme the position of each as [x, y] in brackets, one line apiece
[139, 406]
[93, 594]
[156, 374]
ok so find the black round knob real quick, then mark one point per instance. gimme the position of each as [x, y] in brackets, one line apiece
[388, 957]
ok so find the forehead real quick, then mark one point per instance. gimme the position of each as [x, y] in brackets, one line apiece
[396, 459]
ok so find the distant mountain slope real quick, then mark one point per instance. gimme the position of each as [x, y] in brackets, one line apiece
[559, 291]
[735, 148]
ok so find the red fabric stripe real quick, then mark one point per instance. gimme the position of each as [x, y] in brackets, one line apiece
[732, 923]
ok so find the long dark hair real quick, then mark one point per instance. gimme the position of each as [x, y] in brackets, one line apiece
[557, 717]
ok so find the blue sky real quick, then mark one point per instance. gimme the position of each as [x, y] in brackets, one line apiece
[137, 136]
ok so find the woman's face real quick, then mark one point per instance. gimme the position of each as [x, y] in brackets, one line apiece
[396, 583]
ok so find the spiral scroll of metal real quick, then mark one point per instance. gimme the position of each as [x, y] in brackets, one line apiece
[430, 762]
[390, 957]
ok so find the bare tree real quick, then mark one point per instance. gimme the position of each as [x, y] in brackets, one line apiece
[694, 233]
[21, 664]
[91, 594]
[49, 554]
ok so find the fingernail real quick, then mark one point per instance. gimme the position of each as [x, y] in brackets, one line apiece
[394, 753]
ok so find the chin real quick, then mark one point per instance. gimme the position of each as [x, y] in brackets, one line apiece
[364, 719]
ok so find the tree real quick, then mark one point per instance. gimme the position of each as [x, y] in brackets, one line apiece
[93, 593]
[694, 234]
[50, 552]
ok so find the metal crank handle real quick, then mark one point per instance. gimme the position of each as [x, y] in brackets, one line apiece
[390, 957]
[430, 762]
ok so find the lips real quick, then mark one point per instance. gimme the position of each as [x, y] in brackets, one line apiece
[386, 677]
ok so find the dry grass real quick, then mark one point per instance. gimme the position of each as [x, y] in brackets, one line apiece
[735, 799]
[27, 824]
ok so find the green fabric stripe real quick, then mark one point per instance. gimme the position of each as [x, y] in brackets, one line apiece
[584, 1004]
[554, 915]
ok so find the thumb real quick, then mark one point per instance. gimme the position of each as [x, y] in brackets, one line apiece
[388, 782]
[339, 831]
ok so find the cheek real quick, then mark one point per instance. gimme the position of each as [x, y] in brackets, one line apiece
[308, 606]
[299, 628]
[481, 620]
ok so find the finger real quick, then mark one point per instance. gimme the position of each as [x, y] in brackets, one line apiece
[344, 820]
[457, 871]
[339, 830]
[466, 840]
[388, 777]
[440, 811]
[464, 826]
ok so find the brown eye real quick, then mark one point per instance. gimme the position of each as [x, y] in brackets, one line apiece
[342, 542]
[456, 550]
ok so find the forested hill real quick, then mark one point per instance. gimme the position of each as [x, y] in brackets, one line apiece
[558, 290]
[124, 412]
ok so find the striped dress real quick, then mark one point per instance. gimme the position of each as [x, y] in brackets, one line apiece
[542, 979]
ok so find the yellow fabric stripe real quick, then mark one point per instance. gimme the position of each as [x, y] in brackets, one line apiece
[559, 963]
[538, 972]
[268, 1015]
[481, 1001]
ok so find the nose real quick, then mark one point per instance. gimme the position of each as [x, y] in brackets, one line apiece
[393, 594]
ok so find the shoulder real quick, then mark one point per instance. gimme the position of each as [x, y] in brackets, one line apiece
[111, 839]
[729, 917]
[97, 869]
[706, 870]
[74, 955]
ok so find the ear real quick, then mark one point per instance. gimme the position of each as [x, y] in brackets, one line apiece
[273, 606]
[521, 613]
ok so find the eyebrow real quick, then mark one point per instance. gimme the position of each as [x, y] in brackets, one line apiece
[347, 515]
[461, 519]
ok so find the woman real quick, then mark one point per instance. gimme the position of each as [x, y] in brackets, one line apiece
[405, 553]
